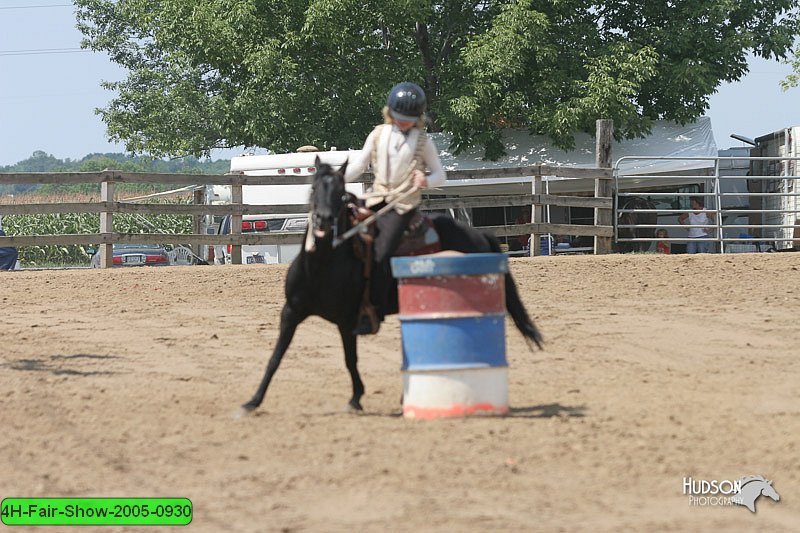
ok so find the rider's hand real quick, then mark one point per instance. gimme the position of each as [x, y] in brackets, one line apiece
[420, 179]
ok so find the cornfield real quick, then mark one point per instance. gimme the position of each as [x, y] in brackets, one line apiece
[83, 223]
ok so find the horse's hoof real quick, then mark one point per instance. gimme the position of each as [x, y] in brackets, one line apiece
[354, 407]
[245, 410]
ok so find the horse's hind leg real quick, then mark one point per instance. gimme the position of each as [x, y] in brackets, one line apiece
[289, 322]
[351, 360]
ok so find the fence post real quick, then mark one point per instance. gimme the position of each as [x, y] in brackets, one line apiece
[197, 223]
[236, 223]
[106, 224]
[603, 187]
[536, 218]
[718, 207]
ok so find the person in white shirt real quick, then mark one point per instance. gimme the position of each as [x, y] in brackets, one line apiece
[399, 151]
[698, 217]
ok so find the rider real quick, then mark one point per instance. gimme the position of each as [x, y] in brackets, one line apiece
[399, 151]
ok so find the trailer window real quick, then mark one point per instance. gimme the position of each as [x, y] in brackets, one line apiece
[275, 224]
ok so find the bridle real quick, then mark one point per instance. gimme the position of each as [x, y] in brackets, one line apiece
[338, 214]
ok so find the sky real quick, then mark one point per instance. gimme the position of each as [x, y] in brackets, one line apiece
[49, 90]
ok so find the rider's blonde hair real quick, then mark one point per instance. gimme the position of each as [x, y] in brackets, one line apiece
[388, 119]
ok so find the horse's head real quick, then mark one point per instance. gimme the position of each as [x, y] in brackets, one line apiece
[751, 488]
[631, 214]
[328, 200]
[768, 490]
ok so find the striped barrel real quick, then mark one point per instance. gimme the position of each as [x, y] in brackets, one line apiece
[452, 320]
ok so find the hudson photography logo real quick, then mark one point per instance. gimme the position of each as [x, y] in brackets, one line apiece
[744, 491]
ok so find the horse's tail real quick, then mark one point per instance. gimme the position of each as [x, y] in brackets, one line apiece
[514, 304]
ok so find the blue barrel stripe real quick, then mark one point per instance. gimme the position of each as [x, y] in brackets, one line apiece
[452, 265]
[465, 342]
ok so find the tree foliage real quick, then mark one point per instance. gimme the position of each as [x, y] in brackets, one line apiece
[206, 74]
[793, 79]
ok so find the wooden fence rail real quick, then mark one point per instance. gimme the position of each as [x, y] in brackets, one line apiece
[254, 209]
[107, 207]
[113, 176]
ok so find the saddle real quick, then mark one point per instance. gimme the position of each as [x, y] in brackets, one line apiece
[419, 238]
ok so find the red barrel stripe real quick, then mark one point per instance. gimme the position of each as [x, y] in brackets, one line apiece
[457, 409]
[451, 296]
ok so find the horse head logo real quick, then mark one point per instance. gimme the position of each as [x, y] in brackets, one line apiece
[751, 488]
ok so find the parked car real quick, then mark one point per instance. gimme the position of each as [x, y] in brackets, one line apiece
[126, 255]
[8, 255]
[267, 253]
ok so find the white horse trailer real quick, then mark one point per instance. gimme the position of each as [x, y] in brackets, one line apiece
[293, 164]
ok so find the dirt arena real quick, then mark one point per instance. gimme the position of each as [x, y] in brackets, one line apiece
[123, 383]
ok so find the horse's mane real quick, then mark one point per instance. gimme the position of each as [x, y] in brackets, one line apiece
[747, 479]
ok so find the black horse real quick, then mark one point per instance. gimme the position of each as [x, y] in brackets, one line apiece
[329, 282]
[635, 217]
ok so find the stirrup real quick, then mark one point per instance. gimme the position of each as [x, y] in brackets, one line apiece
[368, 321]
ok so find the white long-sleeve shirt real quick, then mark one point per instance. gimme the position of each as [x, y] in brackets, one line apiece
[400, 148]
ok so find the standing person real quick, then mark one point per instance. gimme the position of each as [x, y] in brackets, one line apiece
[399, 151]
[698, 217]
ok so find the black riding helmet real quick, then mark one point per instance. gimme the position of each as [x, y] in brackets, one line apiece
[406, 101]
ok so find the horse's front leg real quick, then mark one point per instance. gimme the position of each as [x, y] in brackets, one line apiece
[290, 319]
[351, 360]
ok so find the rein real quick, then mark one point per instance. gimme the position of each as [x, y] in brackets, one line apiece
[361, 226]
[364, 224]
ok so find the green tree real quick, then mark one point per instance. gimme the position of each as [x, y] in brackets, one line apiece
[41, 161]
[206, 74]
[793, 79]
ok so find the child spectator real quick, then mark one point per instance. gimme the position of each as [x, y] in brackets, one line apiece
[662, 247]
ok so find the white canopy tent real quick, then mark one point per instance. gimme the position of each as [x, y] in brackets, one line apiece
[667, 139]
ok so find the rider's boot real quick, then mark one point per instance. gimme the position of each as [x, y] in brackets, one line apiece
[368, 321]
